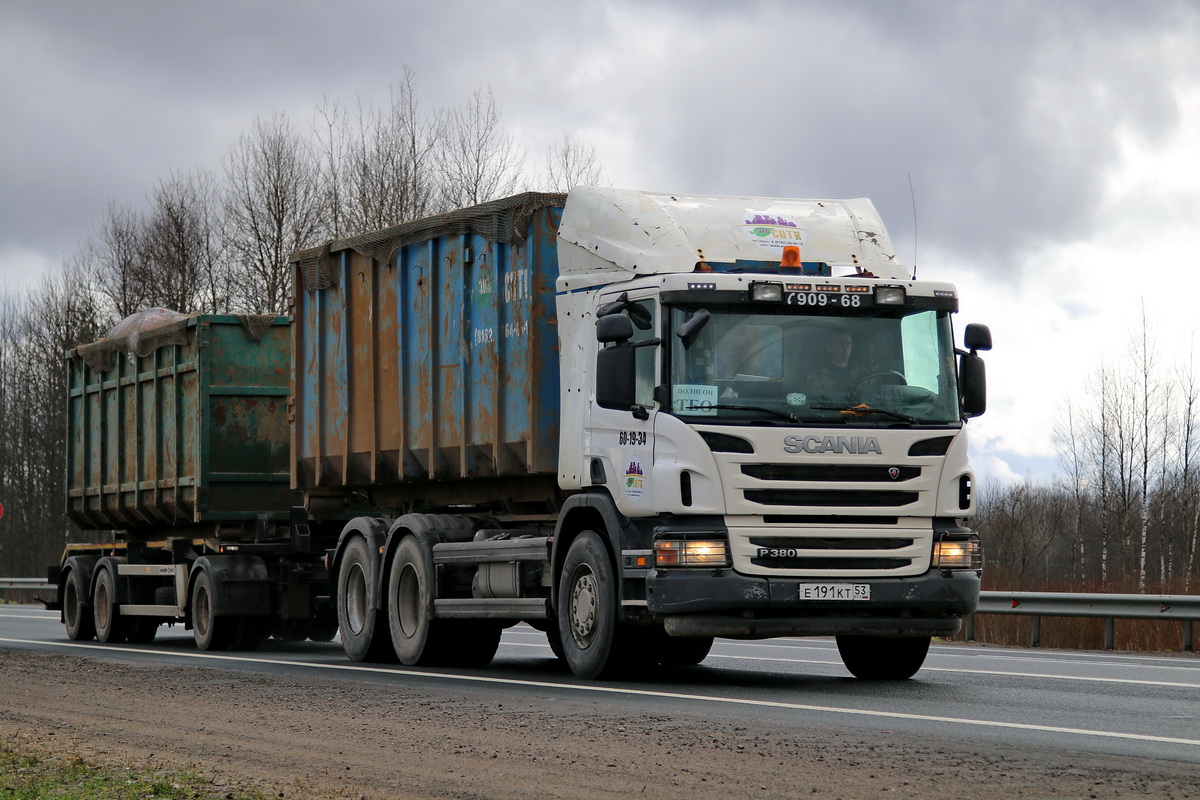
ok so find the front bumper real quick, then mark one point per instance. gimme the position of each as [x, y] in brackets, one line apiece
[724, 603]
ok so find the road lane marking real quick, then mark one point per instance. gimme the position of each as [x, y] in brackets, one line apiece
[597, 689]
[937, 669]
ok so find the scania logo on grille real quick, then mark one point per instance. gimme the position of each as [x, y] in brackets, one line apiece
[859, 445]
[893, 472]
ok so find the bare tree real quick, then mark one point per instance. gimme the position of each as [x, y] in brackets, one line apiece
[181, 245]
[113, 257]
[478, 160]
[569, 164]
[273, 204]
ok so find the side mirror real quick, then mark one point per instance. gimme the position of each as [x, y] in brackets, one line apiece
[614, 328]
[615, 377]
[977, 337]
[972, 385]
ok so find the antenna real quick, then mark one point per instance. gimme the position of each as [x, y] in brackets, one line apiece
[913, 195]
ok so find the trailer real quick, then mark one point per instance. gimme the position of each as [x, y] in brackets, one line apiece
[177, 439]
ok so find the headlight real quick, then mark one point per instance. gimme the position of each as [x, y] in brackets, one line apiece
[889, 295]
[958, 554]
[691, 553]
[766, 292]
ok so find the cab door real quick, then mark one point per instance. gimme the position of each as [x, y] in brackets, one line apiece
[622, 438]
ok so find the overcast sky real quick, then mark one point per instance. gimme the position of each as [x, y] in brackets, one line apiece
[1053, 147]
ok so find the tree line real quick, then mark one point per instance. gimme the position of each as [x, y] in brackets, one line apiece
[1124, 514]
[217, 240]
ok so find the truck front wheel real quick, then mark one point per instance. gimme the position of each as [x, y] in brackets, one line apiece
[594, 644]
[883, 658]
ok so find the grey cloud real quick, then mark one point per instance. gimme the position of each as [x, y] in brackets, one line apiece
[1007, 115]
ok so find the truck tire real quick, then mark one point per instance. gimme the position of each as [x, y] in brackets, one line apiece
[467, 643]
[111, 627]
[419, 640]
[142, 630]
[883, 658]
[81, 626]
[249, 632]
[210, 631]
[682, 651]
[594, 644]
[363, 628]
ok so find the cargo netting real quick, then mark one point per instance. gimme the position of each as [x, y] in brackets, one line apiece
[139, 334]
[500, 221]
[256, 325]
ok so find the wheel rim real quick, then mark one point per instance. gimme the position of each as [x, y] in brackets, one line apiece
[102, 607]
[582, 608]
[408, 597]
[203, 611]
[356, 599]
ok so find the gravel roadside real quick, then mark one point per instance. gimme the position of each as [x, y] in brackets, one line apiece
[315, 738]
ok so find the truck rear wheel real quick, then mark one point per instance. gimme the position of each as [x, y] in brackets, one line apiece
[883, 658]
[111, 627]
[81, 627]
[594, 643]
[418, 639]
[210, 631]
[142, 630]
[363, 628]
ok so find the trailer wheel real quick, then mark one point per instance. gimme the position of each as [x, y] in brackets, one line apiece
[594, 644]
[883, 658]
[111, 627]
[363, 635]
[322, 630]
[210, 631]
[81, 626]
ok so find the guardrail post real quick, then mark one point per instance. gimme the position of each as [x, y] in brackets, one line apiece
[1110, 634]
[1035, 632]
[971, 629]
[1187, 636]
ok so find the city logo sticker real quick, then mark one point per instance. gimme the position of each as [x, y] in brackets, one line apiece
[635, 480]
[773, 231]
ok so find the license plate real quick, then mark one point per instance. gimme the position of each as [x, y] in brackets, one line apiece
[834, 591]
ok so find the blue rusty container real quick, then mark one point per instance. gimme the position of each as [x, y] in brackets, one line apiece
[426, 360]
[190, 436]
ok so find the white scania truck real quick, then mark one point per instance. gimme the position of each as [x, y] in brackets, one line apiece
[639, 421]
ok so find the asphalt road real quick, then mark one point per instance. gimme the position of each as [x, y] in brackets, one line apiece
[1100, 703]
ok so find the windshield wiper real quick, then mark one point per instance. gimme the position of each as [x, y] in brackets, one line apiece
[790, 417]
[865, 409]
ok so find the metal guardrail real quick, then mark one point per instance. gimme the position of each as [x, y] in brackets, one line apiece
[1183, 608]
[26, 583]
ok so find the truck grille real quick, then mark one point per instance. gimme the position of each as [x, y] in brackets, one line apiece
[845, 474]
[830, 497]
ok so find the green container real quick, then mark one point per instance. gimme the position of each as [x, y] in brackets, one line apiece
[190, 437]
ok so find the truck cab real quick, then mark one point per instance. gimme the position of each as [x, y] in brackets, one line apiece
[776, 411]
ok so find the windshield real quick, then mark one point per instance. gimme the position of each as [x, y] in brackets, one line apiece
[779, 365]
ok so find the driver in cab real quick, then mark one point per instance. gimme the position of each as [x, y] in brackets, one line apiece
[834, 372]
